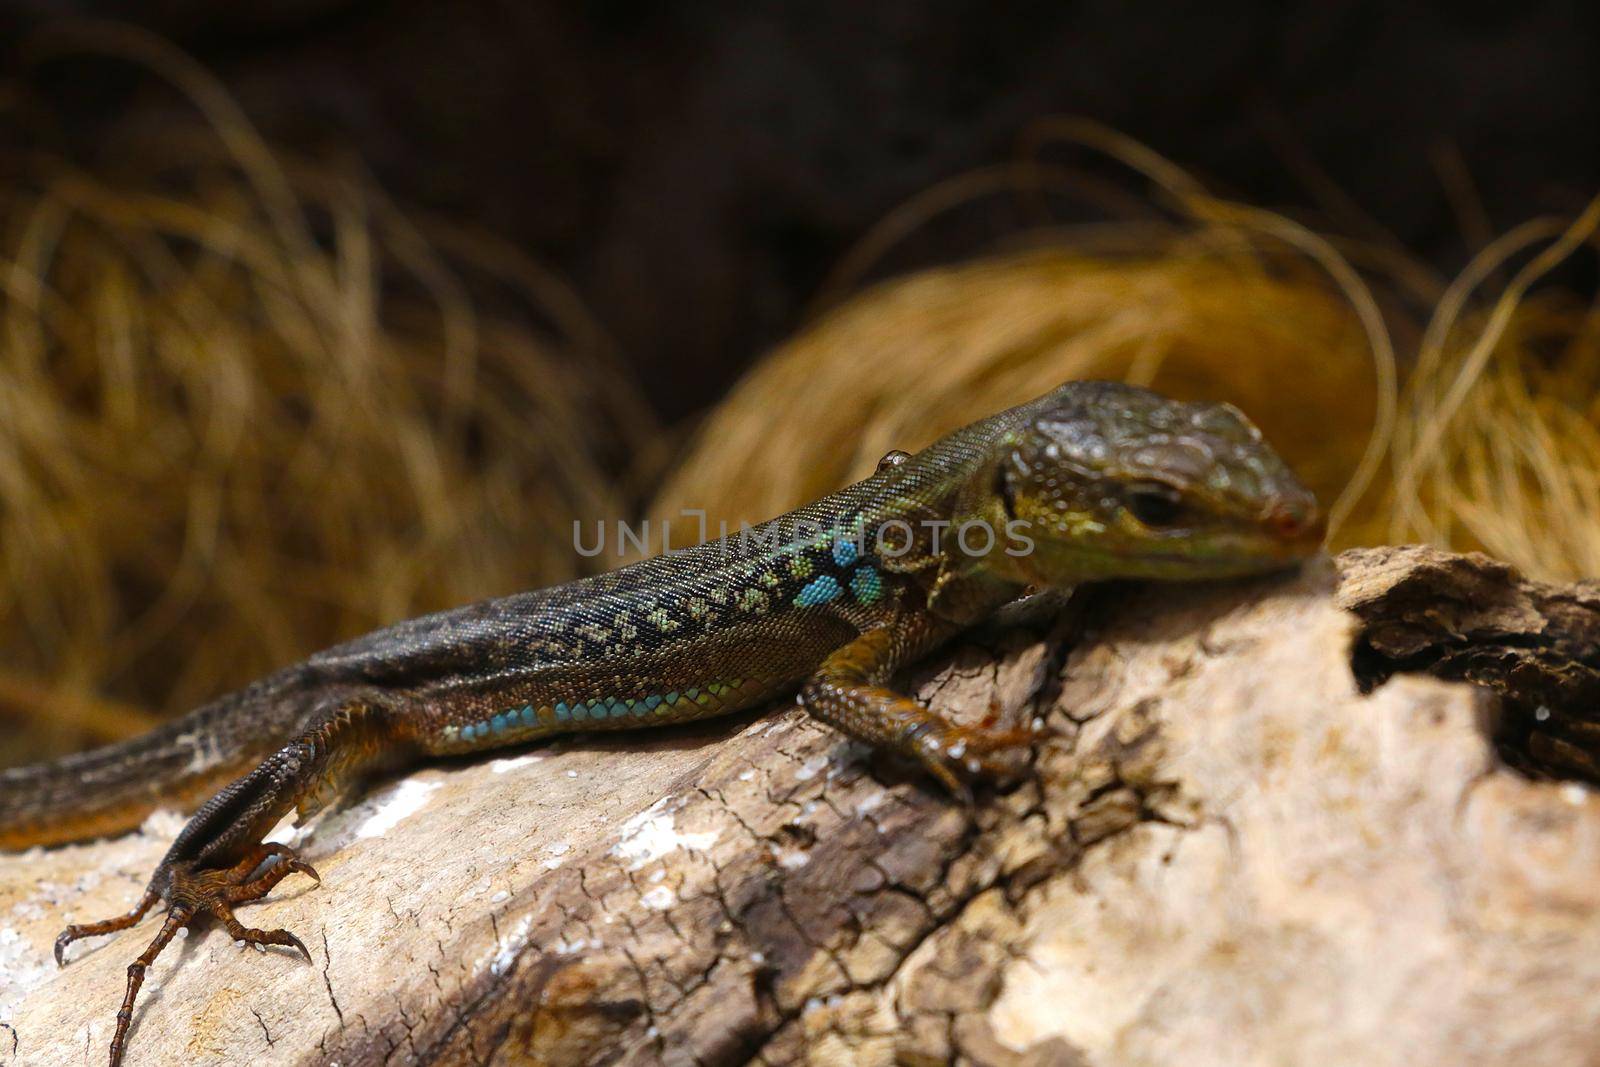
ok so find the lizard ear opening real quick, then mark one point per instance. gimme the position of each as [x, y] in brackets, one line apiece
[1004, 490]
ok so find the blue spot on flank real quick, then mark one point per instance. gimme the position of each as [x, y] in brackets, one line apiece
[650, 702]
[466, 732]
[844, 552]
[866, 584]
[529, 715]
[818, 591]
[498, 723]
[563, 713]
[580, 712]
[618, 708]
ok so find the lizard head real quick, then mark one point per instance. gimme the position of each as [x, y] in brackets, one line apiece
[1110, 480]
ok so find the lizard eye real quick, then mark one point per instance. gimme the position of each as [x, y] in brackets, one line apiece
[1154, 504]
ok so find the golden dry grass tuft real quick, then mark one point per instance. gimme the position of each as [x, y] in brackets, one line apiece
[1493, 442]
[1499, 449]
[916, 358]
[247, 411]
[248, 408]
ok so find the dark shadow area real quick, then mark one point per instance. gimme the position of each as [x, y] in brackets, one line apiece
[1468, 618]
[696, 170]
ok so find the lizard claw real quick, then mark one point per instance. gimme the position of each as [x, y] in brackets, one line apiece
[247, 935]
[297, 943]
[953, 753]
[289, 862]
[108, 926]
[190, 893]
[63, 939]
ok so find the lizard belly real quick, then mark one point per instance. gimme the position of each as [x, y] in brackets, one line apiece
[735, 670]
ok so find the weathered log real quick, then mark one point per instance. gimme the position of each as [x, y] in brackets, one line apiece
[1235, 849]
[1470, 618]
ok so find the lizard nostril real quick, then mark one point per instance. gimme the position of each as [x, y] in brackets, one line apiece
[1293, 521]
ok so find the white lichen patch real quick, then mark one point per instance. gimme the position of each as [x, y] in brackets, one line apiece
[501, 766]
[164, 823]
[511, 945]
[871, 802]
[659, 898]
[791, 859]
[397, 805]
[27, 911]
[51, 895]
[653, 833]
[554, 852]
[811, 768]
[21, 968]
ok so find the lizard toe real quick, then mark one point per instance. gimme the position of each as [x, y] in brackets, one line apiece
[193, 892]
[953, 754]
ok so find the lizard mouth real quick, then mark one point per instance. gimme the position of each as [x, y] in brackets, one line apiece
[1242, 553]
[1217, 558]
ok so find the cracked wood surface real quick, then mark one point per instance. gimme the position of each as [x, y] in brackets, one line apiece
[1228, 855]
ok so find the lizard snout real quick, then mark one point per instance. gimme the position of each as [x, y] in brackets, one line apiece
[1296, 521]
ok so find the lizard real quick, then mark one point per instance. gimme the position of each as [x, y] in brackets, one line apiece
[1093, 481]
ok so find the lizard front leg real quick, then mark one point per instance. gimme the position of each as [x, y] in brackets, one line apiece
[849, 691]
[213, 863]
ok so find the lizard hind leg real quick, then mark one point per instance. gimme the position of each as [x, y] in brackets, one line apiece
[193, 893]
[236, 892]
[201, 891]
[196, 893]
[216, 862]
[78, 931]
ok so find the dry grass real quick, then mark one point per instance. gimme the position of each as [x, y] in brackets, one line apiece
[247, 409]
[245, 413]
[914, 359]
[1500, 447]
[1494, 442]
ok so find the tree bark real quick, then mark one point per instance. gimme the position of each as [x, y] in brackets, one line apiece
[1253, 837]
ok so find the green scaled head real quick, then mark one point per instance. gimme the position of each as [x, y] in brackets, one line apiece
[1109, 480]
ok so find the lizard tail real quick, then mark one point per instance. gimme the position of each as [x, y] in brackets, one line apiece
[113, 789]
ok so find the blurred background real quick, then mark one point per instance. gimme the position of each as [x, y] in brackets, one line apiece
[317, 314]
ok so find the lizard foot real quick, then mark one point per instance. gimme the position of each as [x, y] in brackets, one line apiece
[190, 894]
[953, 753]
